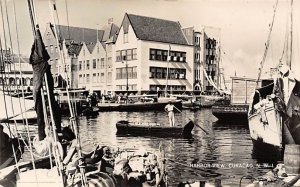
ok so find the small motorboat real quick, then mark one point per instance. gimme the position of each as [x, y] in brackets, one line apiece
[154, 129]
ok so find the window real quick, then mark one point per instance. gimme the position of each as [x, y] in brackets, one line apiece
[109, 77]
[51, 49]
[119, 73]
[80, 79]
[83, 79]
[134, 54]
[94, 64]
[98, 63]
[129, 71]
[152, 54]
[83, 65]
[87, 64]
[158, 55]
[162, 55]
[80, 65]
[87, 78]
[165, 56]
[125, 38]
[124, 55]
[56, 49]
[134, 72]
[109, 62]
[102, 63]
[102, 77]
[94, 77]
[161, 73]
[129, 54]
[118, 56]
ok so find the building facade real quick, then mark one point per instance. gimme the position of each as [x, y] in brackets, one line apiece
[87, 53]
[152, 55]
[206, 58]
[16, 73]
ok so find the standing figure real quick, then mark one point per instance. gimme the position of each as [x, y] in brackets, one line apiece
[170, 109]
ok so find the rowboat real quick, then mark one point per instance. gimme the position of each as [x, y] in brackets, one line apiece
[153, 129]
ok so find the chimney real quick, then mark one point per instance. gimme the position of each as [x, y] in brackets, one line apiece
[110, 21]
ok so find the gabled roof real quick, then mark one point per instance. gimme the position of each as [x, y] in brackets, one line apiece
[78, 34]
[110, 31]
[159, 30]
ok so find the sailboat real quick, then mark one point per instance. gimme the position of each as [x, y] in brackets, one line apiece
[274, 112]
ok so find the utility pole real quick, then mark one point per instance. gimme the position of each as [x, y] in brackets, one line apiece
[127, 88]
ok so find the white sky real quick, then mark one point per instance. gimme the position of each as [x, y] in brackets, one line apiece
[244, 23]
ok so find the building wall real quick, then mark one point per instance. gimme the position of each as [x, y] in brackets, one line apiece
[59, 67]
[142, 63]
[146, 63]
[209, 57]
[125, 44]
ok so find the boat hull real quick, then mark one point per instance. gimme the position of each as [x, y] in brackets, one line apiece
[266, 153]
[265, 126]
[230, 113]
[126, 128]
[137, 107]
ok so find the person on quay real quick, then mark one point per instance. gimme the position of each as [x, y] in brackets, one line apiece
[170, 109]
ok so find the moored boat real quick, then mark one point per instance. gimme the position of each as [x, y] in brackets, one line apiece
[274, 112]
[139, 106]
[154, 129]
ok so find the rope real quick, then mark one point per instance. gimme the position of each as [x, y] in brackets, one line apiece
[19, 61]
[267, 46]
[62, 57]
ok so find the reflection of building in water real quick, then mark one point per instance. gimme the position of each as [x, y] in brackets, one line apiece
[15, 74]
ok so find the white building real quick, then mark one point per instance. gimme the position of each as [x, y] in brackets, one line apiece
[145, 49]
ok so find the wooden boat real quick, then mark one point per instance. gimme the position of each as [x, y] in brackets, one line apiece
[139, 106]
[237, 107]
[229, 112]
[154, 129]
[274, 112]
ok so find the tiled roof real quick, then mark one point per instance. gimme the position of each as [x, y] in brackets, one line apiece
[74, 36]
[78, 34]
[154, 29]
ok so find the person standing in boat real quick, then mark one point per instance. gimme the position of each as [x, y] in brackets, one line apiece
[170, 109]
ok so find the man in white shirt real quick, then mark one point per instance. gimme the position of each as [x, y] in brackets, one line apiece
[170, 109]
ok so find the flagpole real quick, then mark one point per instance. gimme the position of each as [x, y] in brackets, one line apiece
[167, 77]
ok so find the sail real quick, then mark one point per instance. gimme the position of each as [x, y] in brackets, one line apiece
[214, 85]
[11, 111]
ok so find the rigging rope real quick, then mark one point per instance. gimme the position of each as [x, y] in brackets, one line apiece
[62, 57]
[267, 46]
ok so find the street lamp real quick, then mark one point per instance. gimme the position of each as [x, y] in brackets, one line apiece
[127, 88]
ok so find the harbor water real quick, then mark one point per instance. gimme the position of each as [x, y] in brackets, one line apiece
[224, 152]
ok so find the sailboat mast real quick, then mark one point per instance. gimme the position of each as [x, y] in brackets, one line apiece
[291, 37]
[267, 45]
[167, 76]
